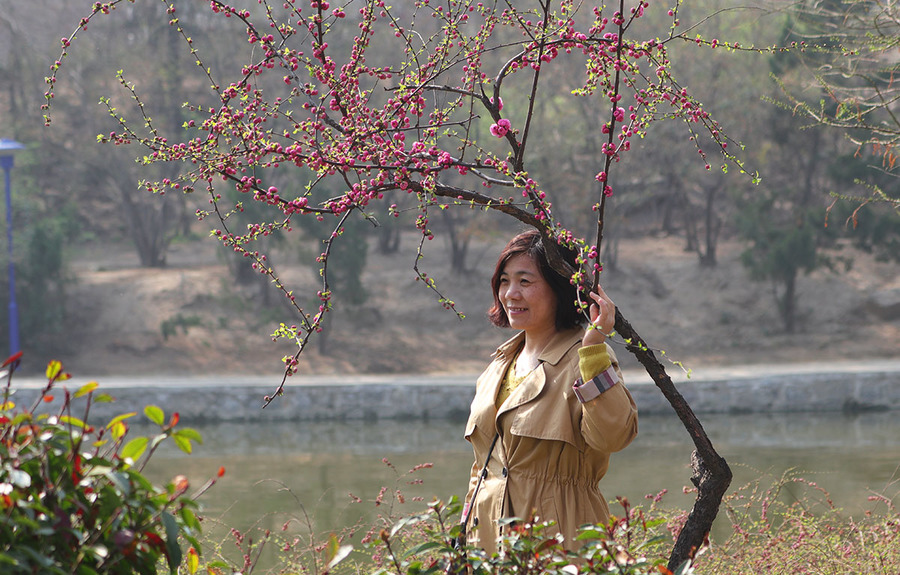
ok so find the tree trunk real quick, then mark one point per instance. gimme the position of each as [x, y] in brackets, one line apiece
[789, 303]
[146, 222]
[324, 341]
[708, 257]
[389, 238]
[712, 476]
[692, 243]
[459, 243]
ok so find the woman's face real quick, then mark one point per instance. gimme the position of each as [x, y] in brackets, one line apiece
[527, 298]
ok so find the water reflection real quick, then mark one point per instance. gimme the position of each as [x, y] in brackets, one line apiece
[328, 475]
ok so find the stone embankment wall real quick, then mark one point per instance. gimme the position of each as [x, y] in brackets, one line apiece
[860, 386]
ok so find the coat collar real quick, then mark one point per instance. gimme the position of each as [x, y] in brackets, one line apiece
[561, 343]
[534, 382]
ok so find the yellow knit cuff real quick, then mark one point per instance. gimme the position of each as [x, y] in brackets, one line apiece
[593, 359]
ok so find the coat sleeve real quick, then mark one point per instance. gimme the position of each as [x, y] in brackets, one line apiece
[609, 421]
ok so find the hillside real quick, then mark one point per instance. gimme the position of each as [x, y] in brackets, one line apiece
[190, 318]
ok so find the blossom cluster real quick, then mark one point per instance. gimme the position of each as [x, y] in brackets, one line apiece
[360, 103]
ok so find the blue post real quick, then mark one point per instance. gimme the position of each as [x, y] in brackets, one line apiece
[7, 147]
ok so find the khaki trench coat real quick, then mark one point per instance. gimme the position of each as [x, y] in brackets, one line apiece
[553, 450]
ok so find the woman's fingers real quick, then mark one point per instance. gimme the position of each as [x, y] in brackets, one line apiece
[603, 318]
[600, 294]
[600, 304]
[602, 310]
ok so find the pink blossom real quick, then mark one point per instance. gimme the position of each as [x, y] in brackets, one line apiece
[501, 128]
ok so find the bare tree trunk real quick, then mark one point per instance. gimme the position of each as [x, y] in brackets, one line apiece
[713, 224]
[323, 340]
[789, 303]
[389, 238]
[459, 242]
[690, 225]
[712, 476]
[146, 221]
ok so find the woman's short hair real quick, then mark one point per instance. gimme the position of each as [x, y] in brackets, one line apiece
[531, 244]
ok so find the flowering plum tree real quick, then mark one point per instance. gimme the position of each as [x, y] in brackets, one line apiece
[430, 100]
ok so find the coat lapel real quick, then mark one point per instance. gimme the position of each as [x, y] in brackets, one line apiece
[526, 391]
[503, 357]
[483, 412]
[534, 382]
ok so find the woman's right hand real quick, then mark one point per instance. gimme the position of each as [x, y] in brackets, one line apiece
[603, 318]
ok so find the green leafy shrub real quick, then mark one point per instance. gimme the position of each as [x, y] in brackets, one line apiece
[630, 544]
[170, 327]
[72, 496]
[424, 543]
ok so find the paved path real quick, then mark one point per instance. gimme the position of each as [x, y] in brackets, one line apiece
[632, 377]
[840, 386]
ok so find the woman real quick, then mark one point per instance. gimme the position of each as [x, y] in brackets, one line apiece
[554, 432]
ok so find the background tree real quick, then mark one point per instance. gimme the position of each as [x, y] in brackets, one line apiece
[850, 59]
[783, 219]
[845, 79]
[347, 250]
[877, 228]
[64, 180]
[103, 181]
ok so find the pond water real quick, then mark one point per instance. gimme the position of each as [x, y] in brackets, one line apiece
[322, 477]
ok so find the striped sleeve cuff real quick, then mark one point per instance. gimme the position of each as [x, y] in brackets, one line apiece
[586, 391]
